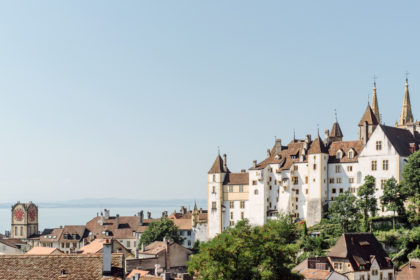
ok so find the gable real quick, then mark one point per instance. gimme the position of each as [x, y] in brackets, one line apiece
[378, 135]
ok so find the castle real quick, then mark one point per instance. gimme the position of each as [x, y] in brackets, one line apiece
[302, 177]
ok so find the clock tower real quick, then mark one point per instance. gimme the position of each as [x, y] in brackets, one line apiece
[24, 220]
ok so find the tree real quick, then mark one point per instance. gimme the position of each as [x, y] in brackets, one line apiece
[247, 252]
[367, 202]
[343, 210]
[159, 230]
[411, 185]
[393, 198]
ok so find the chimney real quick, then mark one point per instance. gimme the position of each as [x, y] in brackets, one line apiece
[143, 247]
[183, 210]
[277, 146]
[106, 211]
[327, 135]
[107, 249]
[117, 221]
[268, 153]
[254, 163]
[141, 218]
[101, 220]
[149, 215]
[165, 214]
[308, 138]
[225, 162]
[243, 170]
[167, 254]
[137, 254]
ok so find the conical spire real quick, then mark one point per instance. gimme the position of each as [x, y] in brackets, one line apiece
[375, 107]
[406, 114]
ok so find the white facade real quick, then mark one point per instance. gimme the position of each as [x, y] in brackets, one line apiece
[301, 178]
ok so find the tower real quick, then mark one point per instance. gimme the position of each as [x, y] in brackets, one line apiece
[367, 124]
[317, 196]
[24, 220]
[216, 177]
[336, 134]
[406, 116]
[375, 107]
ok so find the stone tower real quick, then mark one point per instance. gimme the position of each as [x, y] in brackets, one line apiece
[24, 220]
[375, 107]
[216, 177]
[367, 124]
[406, 116]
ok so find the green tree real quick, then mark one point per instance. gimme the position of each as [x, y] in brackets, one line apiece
[247, 252]
[393, 198]
[160, 229]
[411, 185]
[367, 202]
[343, 210]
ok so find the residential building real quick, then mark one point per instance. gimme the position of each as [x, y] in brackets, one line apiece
[302, 177]
[360, 256]
[68, 238]
[96, 247]
[409, 271]
[12, 246]
[318, 268]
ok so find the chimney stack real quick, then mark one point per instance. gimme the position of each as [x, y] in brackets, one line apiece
[167, 257]
[141, 218]
[107, 258]
[225, 162]
[254, 163]
[117, 221]
[149, 215]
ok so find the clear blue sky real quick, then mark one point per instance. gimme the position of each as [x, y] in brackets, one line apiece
[130, 99]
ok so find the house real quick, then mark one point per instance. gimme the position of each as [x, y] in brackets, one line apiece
[136, 274]
[96, 247]
[12, 246]
[360, 256]
[44, 251]
[68, 238]
[192, 225]
[170, 256]
[409, 271]
[126, 229]
[317, 269]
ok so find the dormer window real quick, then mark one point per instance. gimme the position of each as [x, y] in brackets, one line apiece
[339, 154]
[351, 154]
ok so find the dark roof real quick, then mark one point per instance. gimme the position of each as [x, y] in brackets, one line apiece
[75, 266]
[401, 139]
[336, 131]
[369, 117]
[360, 249]
[79, 232]
[318, 147]
[236, 179]
[12, 242]
[346, 147]
[217, 166]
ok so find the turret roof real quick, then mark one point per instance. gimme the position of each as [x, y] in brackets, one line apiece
[217, 166]
[369, 117]
[318, 147]
[336, 131]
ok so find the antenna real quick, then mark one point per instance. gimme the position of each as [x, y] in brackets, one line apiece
[374, 79]
[294, 134]
[406, 76]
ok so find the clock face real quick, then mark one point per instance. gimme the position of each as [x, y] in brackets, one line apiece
[19, 215]
[32, 214]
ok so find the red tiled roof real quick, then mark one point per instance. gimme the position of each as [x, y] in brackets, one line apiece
[410, 271]
[346, 147]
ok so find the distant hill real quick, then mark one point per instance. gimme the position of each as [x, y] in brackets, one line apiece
[115, 202]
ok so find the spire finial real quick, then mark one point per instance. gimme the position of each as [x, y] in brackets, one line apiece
[406, 76]
[374, 79]
[317, 128]
[294, 134]
[218, 150]
[335, 114]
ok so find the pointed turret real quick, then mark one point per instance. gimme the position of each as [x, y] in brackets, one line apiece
[406, 114]
[219, 166]
[318, 147]
[375, 107]
[367, 124]
[336, 134]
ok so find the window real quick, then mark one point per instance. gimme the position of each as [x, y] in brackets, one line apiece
[67, 245]
[338, 265]
[378, 145]
[314, 166]
[231, 204]
[337, 169]
[353, 190]
[231, 215]
[341, 190]
[213, 205]
[214, 178]
[189, 233]
[242, 215]
[306, 179]
[385, 164]
[128, 244]
[331, 180]
[295, 180]
[255, 192]
[351, 154]
[374, 165]
[339, 154]
[231, 223]
[214, 189]
[334, 190]
[374, 272]
[297, 199]
[21, 231]
[306, 191]
[390, 276]
[241, 188]
[297, 207]
[383, 181]
[270, 187]
[254, 183]
[351, 180]
[230, 188]
[338, 180]
[242, 204]
[295, 168]
[189, 242]
[350, 168]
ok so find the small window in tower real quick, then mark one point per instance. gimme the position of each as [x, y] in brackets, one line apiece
[255, 192]
[231, 215]
[383, 182]
[306, 179]
[254, 183]
[213, 205]
[306, 191]
[242, 215]
[338, 180]
[214, 190]
[351, 180]
[314, 166]
[295, 168]
[214, 178]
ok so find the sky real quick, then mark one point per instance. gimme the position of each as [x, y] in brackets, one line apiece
[131, 99]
